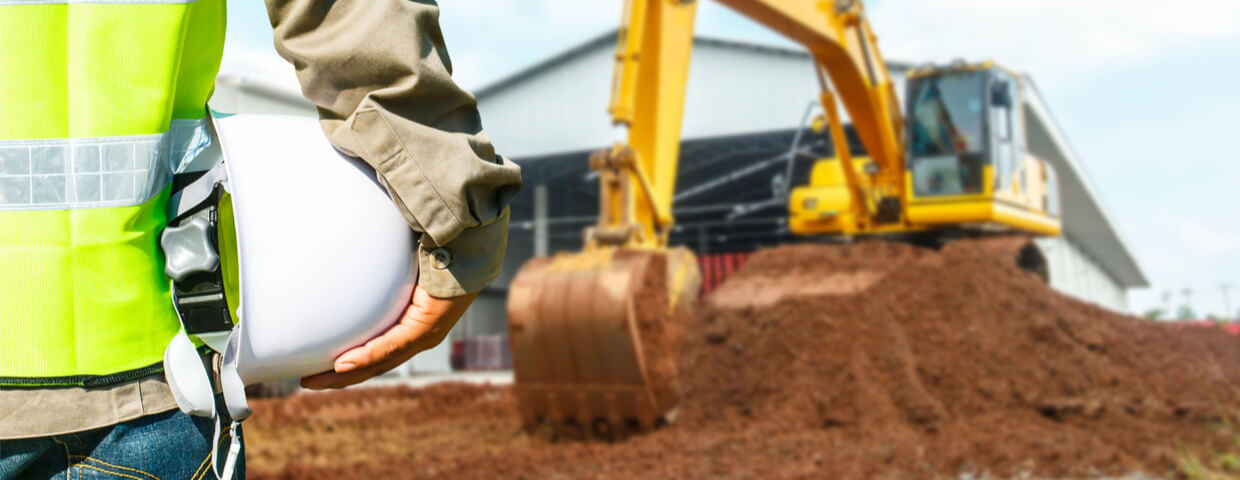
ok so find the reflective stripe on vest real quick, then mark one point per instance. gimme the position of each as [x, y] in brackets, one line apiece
[100, 172]
[100, 101]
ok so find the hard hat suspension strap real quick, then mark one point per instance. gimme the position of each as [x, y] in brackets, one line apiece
[191, 248]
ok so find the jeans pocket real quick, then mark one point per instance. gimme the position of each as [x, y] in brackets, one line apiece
[83, 467]
[170, 445]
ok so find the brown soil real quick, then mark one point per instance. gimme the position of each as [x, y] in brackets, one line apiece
[661, 333]
[947, 362]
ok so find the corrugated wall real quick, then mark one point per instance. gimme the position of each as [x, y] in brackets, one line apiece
[1075, 273]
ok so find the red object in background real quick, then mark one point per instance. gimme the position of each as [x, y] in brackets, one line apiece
[1231, 328]
[457, 358]
[717, 267]
[487, 352]
[481, 352]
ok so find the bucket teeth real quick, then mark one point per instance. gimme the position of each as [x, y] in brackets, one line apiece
[594, 339]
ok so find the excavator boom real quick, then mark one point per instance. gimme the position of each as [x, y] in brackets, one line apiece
[845, 48]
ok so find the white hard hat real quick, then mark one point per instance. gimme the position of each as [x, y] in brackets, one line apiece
[321, 260]
[326, 259]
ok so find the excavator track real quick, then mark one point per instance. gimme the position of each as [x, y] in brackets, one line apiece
[595, 337]
[1011, 247]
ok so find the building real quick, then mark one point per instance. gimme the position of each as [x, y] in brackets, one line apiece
[746, 109]
[745, 105]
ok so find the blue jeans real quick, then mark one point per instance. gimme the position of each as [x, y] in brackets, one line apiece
[170, 445]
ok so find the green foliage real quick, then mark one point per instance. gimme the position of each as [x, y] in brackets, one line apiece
[1221, 464]
[1191, 468]
[1154, 314]
[1185, 312]
[1229, 462]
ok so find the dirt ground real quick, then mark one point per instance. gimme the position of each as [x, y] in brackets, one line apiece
[872, 360]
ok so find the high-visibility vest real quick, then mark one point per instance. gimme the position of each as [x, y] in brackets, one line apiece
[100, 102]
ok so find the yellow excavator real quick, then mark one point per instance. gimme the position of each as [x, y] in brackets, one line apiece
[595, 334]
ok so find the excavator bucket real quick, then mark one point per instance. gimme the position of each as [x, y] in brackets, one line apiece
[595, 337]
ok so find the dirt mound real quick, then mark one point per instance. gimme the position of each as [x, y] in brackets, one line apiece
[807, 271]
[959, 360]
[910, 363]
[358, 433]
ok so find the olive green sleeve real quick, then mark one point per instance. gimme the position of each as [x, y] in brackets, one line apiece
[380, 76]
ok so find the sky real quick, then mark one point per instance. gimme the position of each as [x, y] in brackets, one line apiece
[1145, 90]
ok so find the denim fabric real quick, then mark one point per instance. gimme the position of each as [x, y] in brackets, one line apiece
[170, 445]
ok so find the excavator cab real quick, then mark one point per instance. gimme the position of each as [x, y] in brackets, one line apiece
[967, 158]
[947, 126]
[966, 165]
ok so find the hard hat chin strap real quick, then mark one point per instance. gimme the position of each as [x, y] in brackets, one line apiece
[191, 249]
[238, 409]
[234, 448]
[231, 383]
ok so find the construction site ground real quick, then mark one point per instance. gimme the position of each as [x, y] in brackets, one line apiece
[871, 360]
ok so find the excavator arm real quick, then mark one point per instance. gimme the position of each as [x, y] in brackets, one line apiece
[638, 174]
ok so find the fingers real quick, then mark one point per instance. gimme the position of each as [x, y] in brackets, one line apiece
[383, 347]
[423, 325]
[383, 353]
[340, 380]
[384, 360]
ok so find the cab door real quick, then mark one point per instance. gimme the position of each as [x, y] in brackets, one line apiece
[1005, 148]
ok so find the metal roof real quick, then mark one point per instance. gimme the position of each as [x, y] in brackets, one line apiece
[608, 39]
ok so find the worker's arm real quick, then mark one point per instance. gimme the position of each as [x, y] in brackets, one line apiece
[380, 76]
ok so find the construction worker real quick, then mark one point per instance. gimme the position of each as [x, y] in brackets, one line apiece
[98, 100]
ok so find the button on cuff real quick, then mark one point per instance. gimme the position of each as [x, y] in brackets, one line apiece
[441, 258]
[474, 259]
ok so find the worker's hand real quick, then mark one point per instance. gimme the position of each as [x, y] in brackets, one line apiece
[425, 323]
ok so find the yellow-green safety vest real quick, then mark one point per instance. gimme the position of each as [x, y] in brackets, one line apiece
[100, 102]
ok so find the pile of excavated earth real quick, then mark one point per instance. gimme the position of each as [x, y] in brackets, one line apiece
[871, 360]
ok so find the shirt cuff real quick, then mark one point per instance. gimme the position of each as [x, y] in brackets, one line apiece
[466, 264]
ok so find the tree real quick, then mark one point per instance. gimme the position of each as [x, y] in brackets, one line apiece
[1185, 313]
[1154, 314]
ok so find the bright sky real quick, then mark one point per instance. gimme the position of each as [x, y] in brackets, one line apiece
[1145, 89]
